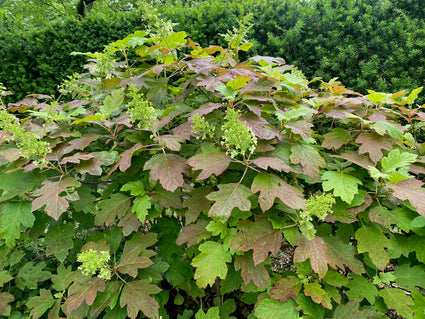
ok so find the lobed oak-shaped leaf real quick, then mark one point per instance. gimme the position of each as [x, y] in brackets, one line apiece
[193, 234]
[317, 294]
[272, 187]
[350, 310]
[343, 185]
[94, 165]
[376, 247]
[59, 240]
[410, 189]
[40, 304]
[196, 204]
[258, 274]
[372, 143]
[309, 158]
[5, 299]
[275, 163]
[317, 251]
[168, 169]
[336, 139]
[343, 255]
[30, 274]
[210, 163]
[228, 197]
[258, 236]
[84, 289]
[15, 214]
[49, 195]
[131, 259]
[171, 142]
[272, 309]
[136, 296]
[398, 299]
[210, 263]
[286, 288]
[360, 288]
[80, 143]
[117, 205]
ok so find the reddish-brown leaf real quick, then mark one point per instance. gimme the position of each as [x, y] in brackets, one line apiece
[197, 203]
[205, 109]
[82, 290]
[125, 159]
[168, 199]
[94, 165]
[228, 197]
[168, 169]
[372, 143]
[411, 190]
[193, 234]
[131, 260]
[361, 160]
[210, 163]
[184, 130]
[80, 143]
[5, 299]
[258, 274]
[274, 163]
[136, 296]
[76, 158]
[258, 236]
[171, 142]
[129, 223]
[336, 139]
[49, 196]
[317, 251]
[301, 128]
[272, 187]
[286, 288]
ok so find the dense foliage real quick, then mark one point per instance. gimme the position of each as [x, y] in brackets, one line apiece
[367, 44]
[187, 182]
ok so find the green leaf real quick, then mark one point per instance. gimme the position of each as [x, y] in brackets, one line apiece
[210, 263]
[112, 102]
[361, 288]
[398, 300]
[396, 159]
[136, 296]
[40, 304]
[335, 279]
[141, 204]
[30, 274]
[372, 240]
[17, 183]
[272, 309]
[343, 185]
[15, 214]
[410, 277]
[419, 304]
[381, 127]
[212, 313]
[4, 277]
[136, 188]
[117, 205]
[59, 240]
[350, 310]
[309, 158]
[228, 92]
[413, 95]
[258, 236]
[228, 197]
[317, 294]
[375, 97]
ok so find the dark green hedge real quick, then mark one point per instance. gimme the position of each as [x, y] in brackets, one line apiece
[374, 44]
[37, 61]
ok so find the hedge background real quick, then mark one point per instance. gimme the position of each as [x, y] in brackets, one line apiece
[374, 44]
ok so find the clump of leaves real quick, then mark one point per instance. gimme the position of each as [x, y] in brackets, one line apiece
[179, 174]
